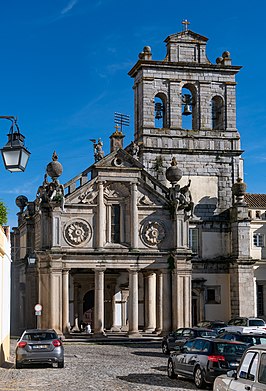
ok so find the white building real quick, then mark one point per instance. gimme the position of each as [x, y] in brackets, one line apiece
[5, 282]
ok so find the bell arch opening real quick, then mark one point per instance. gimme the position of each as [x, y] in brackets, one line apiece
[218, 113]
[160, 110]
[189, 107]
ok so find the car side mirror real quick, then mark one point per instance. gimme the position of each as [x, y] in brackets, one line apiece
[232, 374]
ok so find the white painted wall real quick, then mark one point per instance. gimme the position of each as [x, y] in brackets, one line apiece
[217, 311]
[202, 188]
[5, 284]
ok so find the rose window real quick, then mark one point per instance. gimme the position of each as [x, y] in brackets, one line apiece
[153, 233]
[77, 232]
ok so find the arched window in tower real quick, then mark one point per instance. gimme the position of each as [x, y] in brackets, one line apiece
[159, 111]
[217, 113]
[189, 109]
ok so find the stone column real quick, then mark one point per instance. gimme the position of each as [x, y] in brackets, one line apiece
[133, 310]
[159, 301]
[124, 305]
[116, 326]
[134, 216]
[167, 303]
[101, 212]
[99, 302]
[150, 306]
[65, 304]
[182, 296]
[52, 296]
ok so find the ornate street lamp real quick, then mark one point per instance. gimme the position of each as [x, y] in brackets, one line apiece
[14, 153]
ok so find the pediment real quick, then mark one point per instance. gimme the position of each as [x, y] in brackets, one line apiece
[118, 159]
[117, 171]
[186, 36]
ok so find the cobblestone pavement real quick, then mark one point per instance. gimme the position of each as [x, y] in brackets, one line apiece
[97, 367]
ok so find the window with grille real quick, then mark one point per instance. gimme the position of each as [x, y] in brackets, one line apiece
[194, 240]
[115, 223]
[260, 300]
[213, 294]
[258, 240]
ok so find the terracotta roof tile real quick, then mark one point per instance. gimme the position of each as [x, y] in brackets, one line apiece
[255, 200]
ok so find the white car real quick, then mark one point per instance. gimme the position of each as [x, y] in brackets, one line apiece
[245, 325]
[250, 375]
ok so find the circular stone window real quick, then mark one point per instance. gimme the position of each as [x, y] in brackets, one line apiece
[117, 162]
[77, 232]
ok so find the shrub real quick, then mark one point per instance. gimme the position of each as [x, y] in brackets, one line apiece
[3, 213]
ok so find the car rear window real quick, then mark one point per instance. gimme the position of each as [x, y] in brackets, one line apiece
[208, 333]
[256, 322]
[40, 336]
[232, 348]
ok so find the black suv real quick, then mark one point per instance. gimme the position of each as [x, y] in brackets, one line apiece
[180, 336]
[203, 359]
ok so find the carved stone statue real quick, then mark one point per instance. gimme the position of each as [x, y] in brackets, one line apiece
[182, 198]
[135, 150]
[53, 191]
[98, 150]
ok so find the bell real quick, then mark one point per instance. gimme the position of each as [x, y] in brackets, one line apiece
[158, 109]
[187, 110]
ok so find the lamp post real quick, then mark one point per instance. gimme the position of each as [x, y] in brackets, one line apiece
[14, 153]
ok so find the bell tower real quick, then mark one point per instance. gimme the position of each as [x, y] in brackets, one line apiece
[185, 106]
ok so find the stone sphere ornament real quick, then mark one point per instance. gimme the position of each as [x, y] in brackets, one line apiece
[173, 173]
[21, 202]
[54, 169]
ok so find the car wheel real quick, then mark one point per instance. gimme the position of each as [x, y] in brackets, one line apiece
[18, 365]
[199, 378]
[165, 348]
[61, 364]
[170, 370]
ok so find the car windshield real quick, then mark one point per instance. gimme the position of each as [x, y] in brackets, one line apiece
[256, 322]
[232, 348]
[40, 336]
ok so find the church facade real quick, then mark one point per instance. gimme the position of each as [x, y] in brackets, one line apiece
[155, 235]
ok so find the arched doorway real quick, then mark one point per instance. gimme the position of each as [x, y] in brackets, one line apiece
[88, 308]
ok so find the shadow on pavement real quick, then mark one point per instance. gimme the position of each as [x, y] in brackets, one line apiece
[150, 354]
[156, 380]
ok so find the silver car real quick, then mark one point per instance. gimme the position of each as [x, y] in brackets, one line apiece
[250, 375]
[37, 346]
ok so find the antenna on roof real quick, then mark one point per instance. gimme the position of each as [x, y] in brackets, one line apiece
[121, 119]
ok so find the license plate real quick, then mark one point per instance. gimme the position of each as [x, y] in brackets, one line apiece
[40, 346]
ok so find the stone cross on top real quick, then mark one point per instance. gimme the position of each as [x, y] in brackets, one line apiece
[185, 25]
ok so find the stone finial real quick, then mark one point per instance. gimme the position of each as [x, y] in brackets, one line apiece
[224, 59]
[146, 53]
[239, 190]
[21, 202]
[173, 173]
[116, 139]
[54, 169]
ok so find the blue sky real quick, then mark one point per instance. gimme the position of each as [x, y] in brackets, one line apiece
[63, 73]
